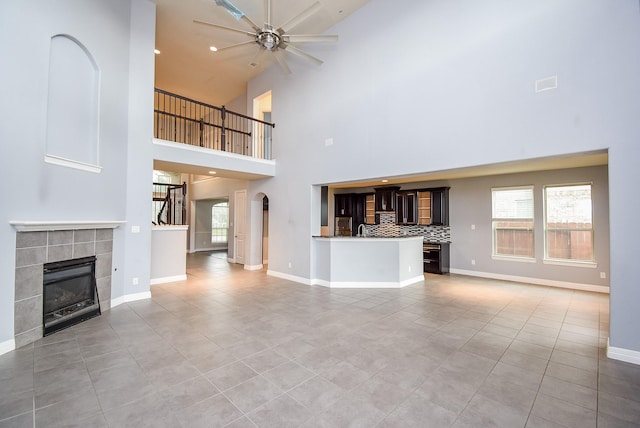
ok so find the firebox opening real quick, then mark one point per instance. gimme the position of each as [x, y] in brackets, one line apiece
[70, 294]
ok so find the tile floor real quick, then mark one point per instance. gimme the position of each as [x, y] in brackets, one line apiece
[237, 348]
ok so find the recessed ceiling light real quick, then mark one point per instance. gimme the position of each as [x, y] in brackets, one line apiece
[156, 51]
[213, 48]
[385, 180]
[212, 172]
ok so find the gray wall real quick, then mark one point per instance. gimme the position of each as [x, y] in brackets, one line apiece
[450, 85]
[120, 36]
[470, 204]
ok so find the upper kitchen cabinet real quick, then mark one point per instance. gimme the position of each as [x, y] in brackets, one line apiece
[370, 209]
[364, 209]
[343, 205]
[385, 198]
[407, 207]
[359, 208]
[433, 206]
[440, 206]
[424, 207]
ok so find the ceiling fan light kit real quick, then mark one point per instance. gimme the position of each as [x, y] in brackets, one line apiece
[272, 39]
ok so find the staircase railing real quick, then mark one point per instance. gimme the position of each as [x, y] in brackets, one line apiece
[183, 120]
[168, 203]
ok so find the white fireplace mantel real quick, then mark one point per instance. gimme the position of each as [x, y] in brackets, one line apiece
[47, 226]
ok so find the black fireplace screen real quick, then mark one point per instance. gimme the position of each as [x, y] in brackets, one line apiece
[70, 294]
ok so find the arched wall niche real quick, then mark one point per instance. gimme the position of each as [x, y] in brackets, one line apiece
[73, 105]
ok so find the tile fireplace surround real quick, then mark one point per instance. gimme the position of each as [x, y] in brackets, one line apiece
[36, 247]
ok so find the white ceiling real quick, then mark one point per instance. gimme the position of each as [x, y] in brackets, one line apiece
[187, 67]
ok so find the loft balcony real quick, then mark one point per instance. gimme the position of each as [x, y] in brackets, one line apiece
[195, 137]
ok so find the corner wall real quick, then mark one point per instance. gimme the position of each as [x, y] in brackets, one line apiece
[118, 34]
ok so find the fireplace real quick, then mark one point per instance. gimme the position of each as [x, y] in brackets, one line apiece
[70, 294]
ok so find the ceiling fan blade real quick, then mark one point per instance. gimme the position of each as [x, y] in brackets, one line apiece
[253, 25]
[257, 57]
[301, 17]
[248, 33]
[281, 61]
[294, 50]
[236, 13]
[235, 45]
[303, 38]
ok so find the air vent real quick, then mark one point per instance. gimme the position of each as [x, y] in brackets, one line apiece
[547, 83]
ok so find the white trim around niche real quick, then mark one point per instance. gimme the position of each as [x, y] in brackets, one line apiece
[55, 160]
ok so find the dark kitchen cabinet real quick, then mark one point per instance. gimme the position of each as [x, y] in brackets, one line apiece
[359, 211]
[433, 206]
[407, 207]
[343, 205]
[440, 206]
[385, 199]
[436, 257]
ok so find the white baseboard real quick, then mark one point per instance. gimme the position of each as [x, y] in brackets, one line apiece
[166, 279]
[137, 296]
[289, 277]
[231, 260]
[205, 249]
[117, 301]
[130, 298]
[353, 284]
[536, 281]
[7, 346]
[253, 267]
[621, 354]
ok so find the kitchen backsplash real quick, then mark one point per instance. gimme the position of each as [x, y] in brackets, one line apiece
[389, 228]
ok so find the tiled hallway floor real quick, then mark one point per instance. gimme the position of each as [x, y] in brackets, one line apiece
[237, 348]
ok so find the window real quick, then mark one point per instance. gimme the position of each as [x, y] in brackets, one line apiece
[219, 222]
[568, 223]
[512, 220]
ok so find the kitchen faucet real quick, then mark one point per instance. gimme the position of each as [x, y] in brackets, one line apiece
[362, 230]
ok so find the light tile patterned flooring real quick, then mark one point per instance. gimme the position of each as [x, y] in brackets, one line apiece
[237, 348]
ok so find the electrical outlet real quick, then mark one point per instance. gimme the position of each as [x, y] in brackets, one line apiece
[473, 227]
[135, 229]
[473, 261]
[603, 275]
[290, 265]
[135, 281]
[409, 268]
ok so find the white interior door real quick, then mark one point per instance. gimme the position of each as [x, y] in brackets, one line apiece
[239, 224]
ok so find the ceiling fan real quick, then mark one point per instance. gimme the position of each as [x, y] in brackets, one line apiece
[273, 39]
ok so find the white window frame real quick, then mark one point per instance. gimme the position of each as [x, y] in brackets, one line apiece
[494, 254]
[225, 235]
[563, 261]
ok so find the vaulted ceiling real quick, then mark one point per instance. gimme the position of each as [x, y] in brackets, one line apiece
[188, 67]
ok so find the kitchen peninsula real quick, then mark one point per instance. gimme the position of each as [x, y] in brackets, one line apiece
[362, 262]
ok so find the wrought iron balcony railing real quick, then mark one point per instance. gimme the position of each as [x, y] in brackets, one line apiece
[187, 121]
